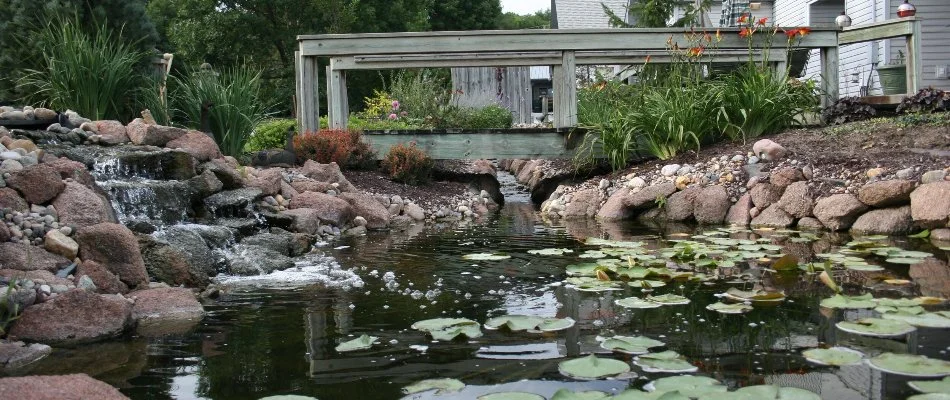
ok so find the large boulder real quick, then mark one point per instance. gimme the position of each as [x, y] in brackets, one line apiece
[58, 387]
[773, 217]
[170, 265]
[229, 176]
[838, 211]
[739, 213]
[885, 221]
[201, 146]
[679, 207]
[142, 133]
[105, 280]
[285, 243]
[9, 198]
[786, 176]
[305, 220]
[257, 260]
[329, 173]
[797, 200]
[331, 209]
[204, 184]
[584, 204]
[164, 304]
[930, 204]
[80, 206]
[933, 277]
[24, 257]
[366, 206]
[768, 150]
[267, 180]
[74, 317]
[75, 170]
[711, 205]
[614, 209]
[303, 184]
[38, 183]
[232, 202]
[764, 194]
[111, 132]
[116, 248]
[886, 193]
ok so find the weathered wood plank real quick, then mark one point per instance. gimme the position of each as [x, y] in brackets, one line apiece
[878, 30]
[337, 98]
[567, 114]
[308, 100]
[829, 75]
[914, 64]
[479, 145]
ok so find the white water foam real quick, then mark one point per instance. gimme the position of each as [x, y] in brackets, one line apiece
[310, 269]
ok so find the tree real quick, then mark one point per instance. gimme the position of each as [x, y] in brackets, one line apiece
[538, 20]
[462, 15]
[656, 13]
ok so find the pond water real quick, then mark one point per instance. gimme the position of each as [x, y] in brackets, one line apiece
[263, 338]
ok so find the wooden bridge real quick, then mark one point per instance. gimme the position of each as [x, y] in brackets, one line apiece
[563, 50]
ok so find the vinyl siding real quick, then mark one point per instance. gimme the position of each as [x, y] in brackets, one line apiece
[934, 40]
[855, 58]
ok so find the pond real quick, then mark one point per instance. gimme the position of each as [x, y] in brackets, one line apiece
[265, 338]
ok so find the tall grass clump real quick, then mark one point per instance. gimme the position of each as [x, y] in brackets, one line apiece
[603, 110]
[236, 104]
[422, 94]
[97, 74]
[673, 119]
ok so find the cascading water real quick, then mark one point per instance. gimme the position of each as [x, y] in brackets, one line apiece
[139, 189]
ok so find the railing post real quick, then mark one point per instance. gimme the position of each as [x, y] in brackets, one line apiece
[339, 103]
[308, 101]
[912, 48]
[565, 91]
[829, 75]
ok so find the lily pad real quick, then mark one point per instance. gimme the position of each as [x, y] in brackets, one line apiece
[511, 396]
[941, 386]
[566, 394]
[876, 327]
[486, 257]
[592, 367]
[841, 301]
[449, 328]
[923, 320]
[555, 324]
[735, 308]
[669, 299]
[930, 396]
[755, 296]
[630, 344]
[636, 302]
[361, 343]
[767, 392]
[665, 362]
[835, 356]
[585, 284]
[516, 323]
[903, 260]
[441, 386]
[687, 385]
[634, 394]
[646, 284]
[910, 365]
[550, 252]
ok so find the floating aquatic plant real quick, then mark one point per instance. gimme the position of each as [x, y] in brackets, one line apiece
[734, 308]
[511, 396]
[941, 386]
[630, 344]
[757, 296]
[441, 386]
[910, 365]
[876, 327]
[667, 362]
[528, 323]
[687, 385]
[550, 252]
[592, 367]
[449, 328]
[636, 302]
[486, 257]
[361, 343]
[841, 301]
[566, 394]
[835, 356]
[769, 392]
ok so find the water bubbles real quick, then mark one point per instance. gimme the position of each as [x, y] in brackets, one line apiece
[468, 295]
[352, 306]
[416, 295]
[374, 273]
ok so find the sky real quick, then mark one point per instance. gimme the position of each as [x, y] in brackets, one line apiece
[524, 6]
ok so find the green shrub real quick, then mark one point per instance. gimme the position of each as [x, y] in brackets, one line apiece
[492, 116]
[602, 110]
[673, 119]
[759, 101]
[408, 164]
[421, 93]
[237, 104]
[270, 134]
[95, 75]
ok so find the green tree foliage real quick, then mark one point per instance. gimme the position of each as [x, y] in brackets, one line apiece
[656, 13]
[462, 15]
[538, 20]
[23, 22]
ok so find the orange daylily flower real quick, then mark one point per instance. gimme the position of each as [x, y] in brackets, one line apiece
[695, 51]
[745, 32]
[743, 18]
[762, 21]
[791, 33]
[804, 31]
[647, 60]
[718, 35]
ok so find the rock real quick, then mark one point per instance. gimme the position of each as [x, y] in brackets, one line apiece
[5, 234]
[257, 260]
[764, 194]
[905, 173]
[810, 224]
[768, 150]
[773, 216]
[9, 198]
[116, 248]
[711, 205]
[739, 214]
[786, 176]
[170, 265]
[330, 209]
[195, 249]
[584, 204]
[355, 231]
[808, 172]
[104, 280]
[14, 115]
[227, 174]
[204, 185]
[283, 243]
[329, 173]
[414, 211]
[797, 200]
[16, 355]
[753, 160]
[37, 183]
[885, 221]
[77, 171]
[942, 234]
[682, 181]
[111, 132]
[74, 317]
[89, 127]
[679, 207]
[152, 135]
[161, 305]
[377, 216]
[604, 184]
[624, 205]
[267, 180]
[80, 206]
[838, 211]
[74, 118]
[232, 202]
[936, 175]
[58, 243]
[58, 387]
[309, 185]
[286, 190]
[201, 146]
[670, 170]
[43, 114]
[306, 220]
[886, 193]
[874, 172]
[636, 183]
[933, 277]
[930, 204]
[24, 257]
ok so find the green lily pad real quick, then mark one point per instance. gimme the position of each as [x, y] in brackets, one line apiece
[555, 324]
[550, 252]
[441, 386]
[930, 396]
[585, 284]
[915, 310]
[734, 308]
[835, 356]
[646, 284]
[361, 343]
[665, 362]
[634, 394]
[630, 344]
[876, 327]
[449, 328]
[849, 302]
[669, 299]
[767, 392]
[910, 365]
[514, 323]
[511, 396]
[486, 257]
[592, 367]
[924, 320]
[612, 243]
[636, 302]
[898, 302]
[755, 296]
[903, 260]
[566, 394]
[687, 385]
[592, 254]
[941, 386]
[862, 266]
[586, 269]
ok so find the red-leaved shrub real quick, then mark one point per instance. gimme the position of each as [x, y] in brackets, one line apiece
[342, 146]
[408, 164]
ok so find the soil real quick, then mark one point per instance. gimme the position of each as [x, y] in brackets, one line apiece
[432, 195]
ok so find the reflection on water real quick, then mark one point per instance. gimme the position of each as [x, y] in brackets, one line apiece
[259, 342]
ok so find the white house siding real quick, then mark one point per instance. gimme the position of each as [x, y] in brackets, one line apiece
[934, 40]
[856, 58]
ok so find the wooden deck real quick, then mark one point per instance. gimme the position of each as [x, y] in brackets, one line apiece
[448, 144]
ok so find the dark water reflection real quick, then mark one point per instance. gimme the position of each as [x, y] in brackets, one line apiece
[260, 342]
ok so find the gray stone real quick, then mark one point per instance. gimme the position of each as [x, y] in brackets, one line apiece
[839, 211]
[670, 169]
[711, 205]
[886, 193]
[810, 224]
[933, 176]
[75, 317]
[930, 204]
[305, 220]
[232, 202]
[257, 260]
[414, 211]
[764, 194]
[16, 355]
[679, 207]
[797, 200]
[885, 221]
[740, 212]
[773, 217]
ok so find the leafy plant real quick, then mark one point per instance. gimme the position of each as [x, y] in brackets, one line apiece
[674, 119]
[492, 116]
[9, 309]
[759, 101]
[847, 109]
[97, 75]
[408, 164]
[422, 93]
[269, 134]
[925, 101]
[324, 146]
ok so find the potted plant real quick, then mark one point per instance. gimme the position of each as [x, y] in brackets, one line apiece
[893, 76]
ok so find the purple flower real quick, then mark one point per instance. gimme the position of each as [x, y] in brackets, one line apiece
[393, 116]
[395, 105]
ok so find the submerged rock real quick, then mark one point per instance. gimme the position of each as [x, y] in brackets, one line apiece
[154, 307]
[16, 355]
[59, 387]
[257, 260]
[75, 317]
